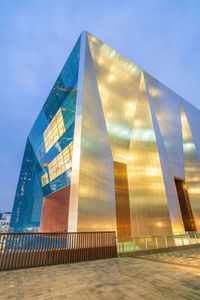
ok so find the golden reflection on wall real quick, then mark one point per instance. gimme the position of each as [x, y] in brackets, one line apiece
[122, 200]
[192, 169]
[44, 179]
[118, 81]
[54, 130]
[166, 116]
[61, 163]
[168, 113]
[149, 206]
[123, 96]
[96, 198]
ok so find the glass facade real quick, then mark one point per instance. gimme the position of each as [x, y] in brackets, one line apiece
[47, 160]
[114, 140]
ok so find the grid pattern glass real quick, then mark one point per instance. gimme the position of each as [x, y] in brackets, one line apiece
[45, 179]
[61, 163]
[54, 130]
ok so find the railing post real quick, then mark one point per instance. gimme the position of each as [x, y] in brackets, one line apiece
[166, 246]
[189, 239]
[195, 238]
[156, 243]
[146, 245]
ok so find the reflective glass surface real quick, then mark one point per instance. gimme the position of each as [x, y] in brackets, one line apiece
[54, 130]
[45, 179]
[46, 165]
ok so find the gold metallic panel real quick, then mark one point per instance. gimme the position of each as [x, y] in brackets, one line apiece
[122, 200]
[167, 108]
[192, 169]
[96, 203]
[166, 165]
[61, 163]
[54, 130]
[132, 137]
[149, 207]
[118, 80]
[92, 197]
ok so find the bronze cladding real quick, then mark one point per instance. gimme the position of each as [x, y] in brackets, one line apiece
[187, 214]
[55, 211]
[122, 200]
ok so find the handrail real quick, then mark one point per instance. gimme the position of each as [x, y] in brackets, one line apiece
[161, 235]
[146, 243]
[46, 233]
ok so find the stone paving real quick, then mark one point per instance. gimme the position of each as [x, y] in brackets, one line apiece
[172, 275]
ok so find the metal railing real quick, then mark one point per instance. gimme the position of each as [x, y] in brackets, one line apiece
[136, 244]
[23, 250]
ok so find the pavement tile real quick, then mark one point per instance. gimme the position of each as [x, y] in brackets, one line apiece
[162, 276]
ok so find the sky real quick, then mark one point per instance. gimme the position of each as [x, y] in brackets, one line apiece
[36, 37]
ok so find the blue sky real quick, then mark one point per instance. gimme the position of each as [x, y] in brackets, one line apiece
[36, 37]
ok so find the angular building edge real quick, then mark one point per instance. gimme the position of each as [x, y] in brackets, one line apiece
[112, 139]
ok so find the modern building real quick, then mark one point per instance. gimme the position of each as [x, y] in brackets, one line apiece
[112, 149]
[5, 221]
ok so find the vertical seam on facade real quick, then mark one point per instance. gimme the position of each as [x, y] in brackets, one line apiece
[74, 191]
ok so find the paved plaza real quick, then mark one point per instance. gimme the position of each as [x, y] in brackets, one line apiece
[172, 275]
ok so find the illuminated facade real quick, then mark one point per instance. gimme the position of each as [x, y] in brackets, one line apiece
[112, 149]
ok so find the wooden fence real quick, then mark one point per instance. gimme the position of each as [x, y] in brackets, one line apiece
[24, 250]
